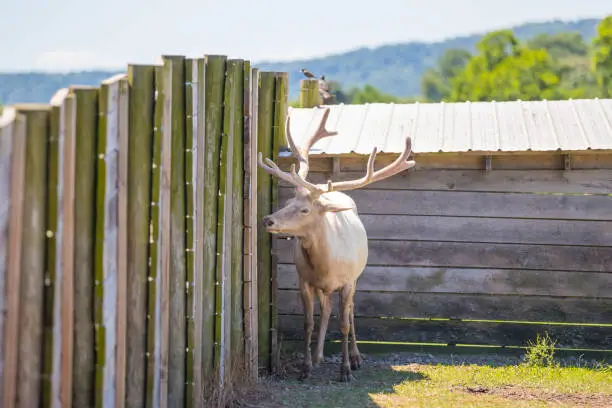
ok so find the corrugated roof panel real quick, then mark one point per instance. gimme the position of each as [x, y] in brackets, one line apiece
[427, 127]
[456, 133]
[300, 123]
[484, 127]
[402, 124]
[605, 138]
[595, 122]
[567, 127]
[541, 135]
[457, 127]
[511, 125]
[348, 125]
[375, 128]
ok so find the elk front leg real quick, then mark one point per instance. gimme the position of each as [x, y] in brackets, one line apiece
[307, 293]
[325, 302]
[346, 300]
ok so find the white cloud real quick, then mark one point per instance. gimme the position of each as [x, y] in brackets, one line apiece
[64, 60]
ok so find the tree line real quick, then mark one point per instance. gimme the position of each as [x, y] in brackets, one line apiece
[547, 66]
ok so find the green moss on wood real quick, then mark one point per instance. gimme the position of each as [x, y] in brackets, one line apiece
[100, 191]
[154, 235]
[141, 80]
[177, 334]
[51, 251]
[264, 207]
[31, 300]
[215, 74]
[189, 220]
[84, 213]
[235, 73]
[309, 93]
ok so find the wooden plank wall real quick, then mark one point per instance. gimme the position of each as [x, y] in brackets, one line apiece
[128, 238]
[455, 249]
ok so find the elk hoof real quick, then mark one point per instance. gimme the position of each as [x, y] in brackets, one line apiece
[317, 360]
[356, 361]
[345, 374]
[305, 372]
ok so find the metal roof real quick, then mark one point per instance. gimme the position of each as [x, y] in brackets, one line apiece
[569, 125]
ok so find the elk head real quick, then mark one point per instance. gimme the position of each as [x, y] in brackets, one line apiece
[312, 201]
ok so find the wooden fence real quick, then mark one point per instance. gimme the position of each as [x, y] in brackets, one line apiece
[128, 237]
[469, 250]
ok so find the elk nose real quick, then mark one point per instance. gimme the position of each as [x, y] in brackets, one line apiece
[268, 221]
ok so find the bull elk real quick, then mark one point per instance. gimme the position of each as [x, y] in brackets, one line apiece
[331, 249]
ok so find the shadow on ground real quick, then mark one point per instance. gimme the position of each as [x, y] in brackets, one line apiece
[323, 388]
[383, 380]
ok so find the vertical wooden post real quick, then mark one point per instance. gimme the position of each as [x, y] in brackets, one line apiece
[281, 106]
[265, 138]
[12, 179]
[109, 281]
[211, 342]
[52, 339]
[141, 80]
[122, 236]
[154, 289]
[196, 75]
[177, 323]
[235, 73]
[309, 93]
[63, 127]
[83, 374]
[224, 221]
[250, 220]
[191, 106]
[31, 308]
[160, 242]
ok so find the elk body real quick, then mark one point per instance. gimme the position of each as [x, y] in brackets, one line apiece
[331, 249]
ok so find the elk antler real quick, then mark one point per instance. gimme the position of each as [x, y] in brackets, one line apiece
[301, 153]
[299, 179]
[400, 164]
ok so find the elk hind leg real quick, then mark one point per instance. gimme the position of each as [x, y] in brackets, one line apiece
[325, 302]
[346, 300]
[307, 294]
[354, 354]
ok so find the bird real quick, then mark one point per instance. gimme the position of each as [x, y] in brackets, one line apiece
[307, 73]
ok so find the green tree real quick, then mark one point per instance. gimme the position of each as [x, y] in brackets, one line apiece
[505, 70]
[560, 45]
[435, 84]
[602, 56]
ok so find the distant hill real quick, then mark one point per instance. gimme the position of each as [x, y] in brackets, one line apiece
[394, 69]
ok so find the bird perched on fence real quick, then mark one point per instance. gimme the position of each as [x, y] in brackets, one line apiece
[307, 73]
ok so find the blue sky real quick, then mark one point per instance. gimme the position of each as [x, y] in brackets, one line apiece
[61, 35]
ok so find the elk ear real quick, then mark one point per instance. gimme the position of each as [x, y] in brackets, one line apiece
[336, 207]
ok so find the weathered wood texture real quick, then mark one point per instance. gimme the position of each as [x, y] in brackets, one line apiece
[12, 182]
[309, 93]
[60, 328]
[215, 82]
[83, 373]
[177, 318]
[250, 220]
[128, 254]
[509, 245]
[265, 137]
[142, 81]
[33, 281]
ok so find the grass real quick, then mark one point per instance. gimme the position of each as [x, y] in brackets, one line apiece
[440, 385]
[538, 379]
[510, 386]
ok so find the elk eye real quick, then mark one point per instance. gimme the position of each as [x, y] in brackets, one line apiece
[305, 210]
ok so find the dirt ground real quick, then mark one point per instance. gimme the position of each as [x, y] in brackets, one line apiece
[376, 385]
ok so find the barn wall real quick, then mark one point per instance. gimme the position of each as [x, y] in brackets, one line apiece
[465, 245]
